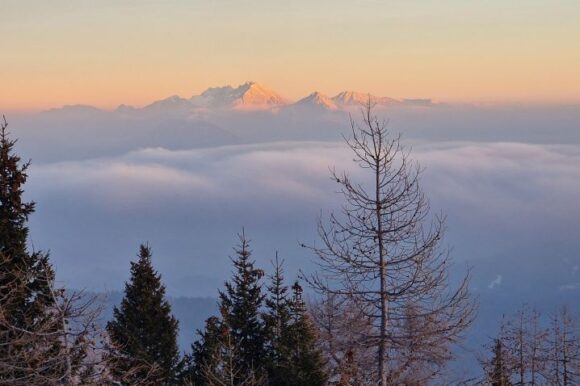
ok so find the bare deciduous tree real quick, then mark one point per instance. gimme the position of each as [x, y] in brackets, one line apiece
[383, 252]
[525, 342]
[536, 354]
[342, 332]
[563, 356]
[64, 347]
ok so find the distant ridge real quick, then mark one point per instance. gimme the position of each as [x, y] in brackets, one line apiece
[173, 102]
[252, 96]
[75, 109]
[353, 98]
[317, 100]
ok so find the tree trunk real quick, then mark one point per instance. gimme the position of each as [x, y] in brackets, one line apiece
[383, 284]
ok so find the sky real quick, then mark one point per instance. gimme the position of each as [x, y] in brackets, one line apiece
[109, 52]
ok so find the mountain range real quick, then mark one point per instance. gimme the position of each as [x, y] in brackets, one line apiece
[252, 96]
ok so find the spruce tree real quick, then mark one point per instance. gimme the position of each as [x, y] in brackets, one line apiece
[25, 295]
[216, 359]
[24, 274]
[242, 301]
[202, 352]
[258, 338]
[277, 324]
[306, 364]
[293, 359]
[143, 330]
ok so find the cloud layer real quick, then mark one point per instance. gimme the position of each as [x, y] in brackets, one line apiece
[510, 209]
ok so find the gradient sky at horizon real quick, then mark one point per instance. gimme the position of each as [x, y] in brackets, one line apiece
[109, 52]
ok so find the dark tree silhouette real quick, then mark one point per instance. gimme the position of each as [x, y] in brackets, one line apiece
[305, 361]
[143, 331]
[241, 303]
[25, 277]
[293, 356]
[277, 324]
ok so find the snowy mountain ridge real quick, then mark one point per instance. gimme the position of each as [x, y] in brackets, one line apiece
[318, 100]
[252, 96]
[349, 98]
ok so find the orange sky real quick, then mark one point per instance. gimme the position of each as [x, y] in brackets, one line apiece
[128, 51]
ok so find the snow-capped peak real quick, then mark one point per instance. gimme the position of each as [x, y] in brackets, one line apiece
[250, 95]
[317, 99]
[254, 96]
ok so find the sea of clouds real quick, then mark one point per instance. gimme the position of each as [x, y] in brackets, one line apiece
[507, 179]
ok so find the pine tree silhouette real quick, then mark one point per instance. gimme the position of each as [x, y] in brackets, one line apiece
[24, 274]
[143, 330]
[25, 277]
[201, 359]
[277, 324]
[242, 301]
[307, 367]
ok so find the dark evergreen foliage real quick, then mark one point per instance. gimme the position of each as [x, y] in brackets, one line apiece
[306, 361]
[24, 274]
[293, 358]
[202, 352]
[242, 302]
[277, 324]
[143, 330]
[25, 277]
[272, 337]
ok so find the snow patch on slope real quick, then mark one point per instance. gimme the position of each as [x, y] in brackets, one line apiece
[317, 100]
[248, 96]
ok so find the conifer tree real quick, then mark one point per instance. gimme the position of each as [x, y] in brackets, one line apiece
[242, 301]
[202, 351]
[216, 359]
[258, 338]
[277, 324]
[28, 272]
[306, 363]
[25, 296]
[143, 330]
[293, 358]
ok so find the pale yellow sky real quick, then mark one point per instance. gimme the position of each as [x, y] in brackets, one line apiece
[109, 52]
